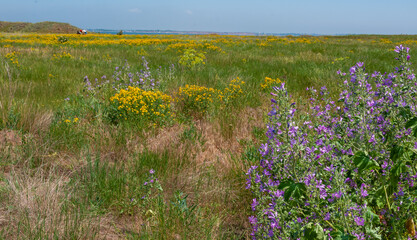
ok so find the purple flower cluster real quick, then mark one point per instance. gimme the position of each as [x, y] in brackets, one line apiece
[123, 77]
[150, 186]
[142, 79]
[341, 165]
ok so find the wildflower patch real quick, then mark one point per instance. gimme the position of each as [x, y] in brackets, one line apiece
[193, 99]
[269, 83]
[233, 91]
[136, 104]
[63, 55]
[13, 58]
[346, 170]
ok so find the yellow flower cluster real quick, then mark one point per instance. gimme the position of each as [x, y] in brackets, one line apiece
[106, 58]
[91, 39]
[13, 58]
[142, 52]
[233, 90]
[291, 39]
[407, 42]
[213, 48]
[385, 41]
[68, 120]
[303, 40]
[75, 120]
[181, 46]
[230, 40]
[134, 103]
[193, 98]
[63, 55]
[270, 82]
[210, 42]
[191, 44]
[264, 44]
[198, 99]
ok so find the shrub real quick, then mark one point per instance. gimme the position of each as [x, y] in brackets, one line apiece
[136, 104]
[197, 100]
[131, 96]
[233, 91]
[192, 59]
[341, 171]
[12, 57]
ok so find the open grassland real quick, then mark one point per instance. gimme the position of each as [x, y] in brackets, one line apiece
[83, 156]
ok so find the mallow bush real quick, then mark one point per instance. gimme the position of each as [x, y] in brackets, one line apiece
[340, 169]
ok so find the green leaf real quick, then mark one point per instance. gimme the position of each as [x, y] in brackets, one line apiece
[405, 112]
[388, 136]
[379, 197]
[336, 235]
[340, 235]
[398, 169]
[373, 233]
[298, 190]
[314, 232]
[395, 174]
[396, 152]
[412, 123]
[285, 185]
[291, 189]
[371, 217]
[363, 162]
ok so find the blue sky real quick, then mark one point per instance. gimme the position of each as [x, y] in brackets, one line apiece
[268, 16]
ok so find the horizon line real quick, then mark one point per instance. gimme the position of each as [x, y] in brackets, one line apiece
[245, 32]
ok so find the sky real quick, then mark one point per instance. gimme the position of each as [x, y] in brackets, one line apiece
[260, 16]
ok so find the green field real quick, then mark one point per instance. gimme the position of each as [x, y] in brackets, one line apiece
[72, 168]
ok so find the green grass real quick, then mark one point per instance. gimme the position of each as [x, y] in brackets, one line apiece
[98, 168]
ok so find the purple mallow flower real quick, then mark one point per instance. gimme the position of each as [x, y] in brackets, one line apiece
[254, 204]
[364, 193]
[400, 48]
[253, 220]
[359, 221]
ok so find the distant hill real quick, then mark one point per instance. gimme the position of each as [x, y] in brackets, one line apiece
[40, 27]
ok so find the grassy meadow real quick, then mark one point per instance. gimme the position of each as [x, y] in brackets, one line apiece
[78, 161]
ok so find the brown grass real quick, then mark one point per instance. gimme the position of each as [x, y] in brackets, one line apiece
[40, 202]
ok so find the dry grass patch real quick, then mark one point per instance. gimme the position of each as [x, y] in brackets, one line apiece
[10, 141]
[37, 206]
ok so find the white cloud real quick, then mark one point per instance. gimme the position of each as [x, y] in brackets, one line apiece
[135, 10]
[189, 12]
